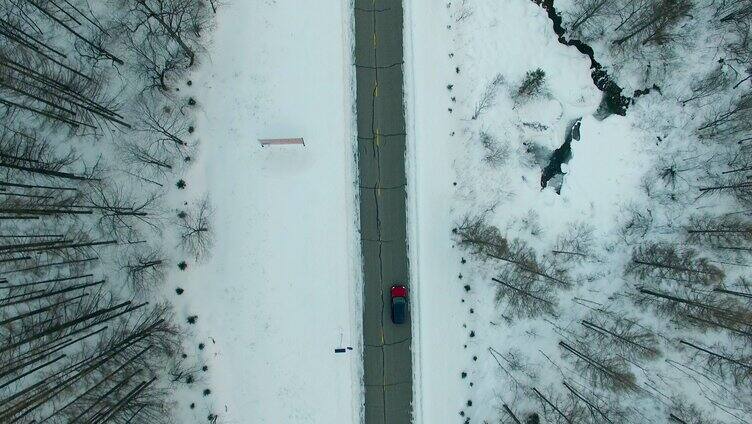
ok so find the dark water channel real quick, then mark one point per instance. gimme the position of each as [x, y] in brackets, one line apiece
[561, 155]
[613, 101]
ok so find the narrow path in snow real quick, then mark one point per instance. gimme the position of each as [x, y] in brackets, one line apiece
[381, 147]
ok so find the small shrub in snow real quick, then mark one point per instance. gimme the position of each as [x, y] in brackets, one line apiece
[533, 84]
[496, 153]
[637, 223]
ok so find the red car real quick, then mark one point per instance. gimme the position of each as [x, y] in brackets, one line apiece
[399, 303]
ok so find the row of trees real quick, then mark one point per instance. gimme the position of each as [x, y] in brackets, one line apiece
[607, 345]
[92, 131]
[672, 313]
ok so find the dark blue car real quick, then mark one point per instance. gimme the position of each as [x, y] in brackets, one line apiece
[399, 304]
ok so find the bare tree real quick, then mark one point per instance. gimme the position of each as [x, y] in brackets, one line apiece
[662, 261]
[622, 336]
[561, 408]
[122, 213]
[488, 97]
[725, 123]
[78, 346]
[525, 296]
[576, 244]
[733, 10]
[463, 12]
[684, 412]
[532, 85]
[480, 238]
[183, 22]
[584, 13]
[706, 310]
[719, 232]
[736, 186]
[651, 21]
[736, 364]
[165, 127]
[196, 231]
[484, 240]
[712, 84]
[156, 62]
[150, 160]
[603, 368]
[144, 269]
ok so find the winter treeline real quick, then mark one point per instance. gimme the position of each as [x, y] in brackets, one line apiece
[612, 355]
[94, 132]
[659, 316]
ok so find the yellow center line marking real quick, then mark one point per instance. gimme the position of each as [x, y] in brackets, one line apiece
[374, 40]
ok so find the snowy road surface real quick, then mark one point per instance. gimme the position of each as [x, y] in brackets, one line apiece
[281, 289]
[387, 351]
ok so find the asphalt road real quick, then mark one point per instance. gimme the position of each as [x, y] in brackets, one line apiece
[381, 162]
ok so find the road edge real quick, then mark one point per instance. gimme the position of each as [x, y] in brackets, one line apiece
[411, 171]
[356, 261]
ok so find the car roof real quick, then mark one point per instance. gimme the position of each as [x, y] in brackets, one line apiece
[399, 309]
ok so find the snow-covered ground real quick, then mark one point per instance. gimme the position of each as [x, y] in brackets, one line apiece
[490, 166]
[437, 350]
[281, 288]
